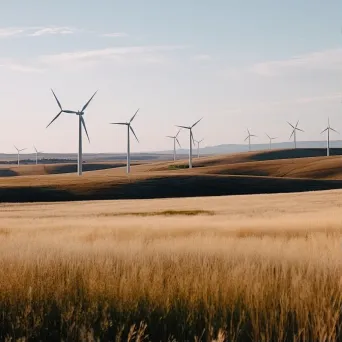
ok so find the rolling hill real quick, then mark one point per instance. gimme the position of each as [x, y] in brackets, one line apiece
[277, 171]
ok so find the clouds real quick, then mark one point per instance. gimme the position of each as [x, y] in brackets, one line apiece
[202, 58]
[35, 31]
[327, 60]
[152, 54]
[39, 31]
[115, 35]
[19, 66]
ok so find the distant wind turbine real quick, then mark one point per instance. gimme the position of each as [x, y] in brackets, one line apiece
[328, 129]
[81, 123]
[294, 132]
[19, 150]
[270, 140]
[249, 139]
[198, 147]
[191, 140]
[37, 152]
[175, 138]
[129, 128]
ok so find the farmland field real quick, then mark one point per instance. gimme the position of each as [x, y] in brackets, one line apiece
[239, 268]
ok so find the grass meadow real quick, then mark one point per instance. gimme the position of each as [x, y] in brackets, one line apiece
[248, 268]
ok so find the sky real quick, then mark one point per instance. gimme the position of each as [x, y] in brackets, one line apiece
[237, 63]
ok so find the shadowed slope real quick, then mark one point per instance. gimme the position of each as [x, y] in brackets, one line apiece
[52, 169]
[157, 186]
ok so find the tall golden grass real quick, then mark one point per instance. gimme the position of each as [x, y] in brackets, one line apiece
[262, 268]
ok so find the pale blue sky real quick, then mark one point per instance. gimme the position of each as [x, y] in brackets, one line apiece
[246, 63]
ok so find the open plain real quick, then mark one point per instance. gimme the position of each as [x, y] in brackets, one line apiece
[230, 268]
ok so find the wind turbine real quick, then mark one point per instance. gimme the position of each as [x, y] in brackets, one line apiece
[198, 147]
[294, 132]
[175, 138]
[249, 139]
[129, 128]
[37, 152]
[19, 150]
[270, 140]
[328, 129]
[81, 123]
[191, 139]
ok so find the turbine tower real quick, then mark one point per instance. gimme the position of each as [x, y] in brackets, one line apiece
[198, 147]
[328, 129]
[270, 140]
[175, 138]
[37, 152]
[191, 139]
[249, 139]
[294, 132]
[81, 123]
[19, 150]
[129, 128]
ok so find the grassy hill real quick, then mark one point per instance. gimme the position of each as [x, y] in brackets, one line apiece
[276, 171]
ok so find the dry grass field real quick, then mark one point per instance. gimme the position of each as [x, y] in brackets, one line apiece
[241, 173]
[239, 268]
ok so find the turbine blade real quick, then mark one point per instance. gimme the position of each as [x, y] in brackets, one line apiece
[297, 123]
[246, 138]
[196, 123]
[183, 127]
[292, 134]
[298, 129]
[59, 104]
[290, 124]
[134, 115]
[118, 123]
[69, 111]
[268, 136]
[85, 128]
[178, 142]
[55, 118]
[169, 136]
[178, 132]
[192, 137]
[334, 130]
[86, 105]
[16, 148]
[134, 133]
[325, 130]
[23, 149]
[201, 140]
[35, 148]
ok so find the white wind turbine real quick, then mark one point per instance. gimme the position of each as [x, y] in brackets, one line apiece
[19, 150]
[270, 138]
[175, 138]
[249, 139]
[129, 128]
[37, 152]
[328, 129]
[191, 140]
[81, 123]
[198, 147]
[294, 132]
